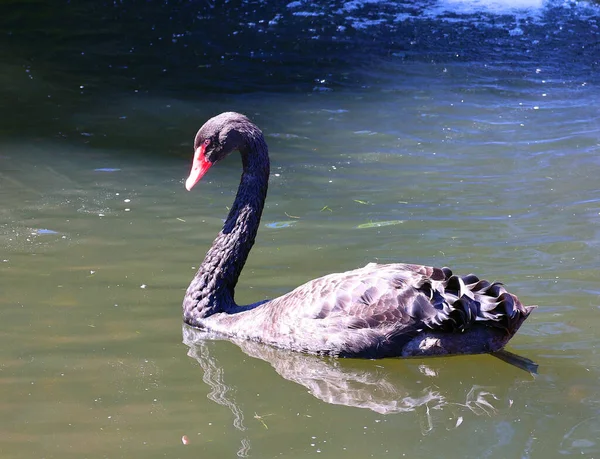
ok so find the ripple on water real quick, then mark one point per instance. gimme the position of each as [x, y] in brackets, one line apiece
[582, 438]
[550, 328]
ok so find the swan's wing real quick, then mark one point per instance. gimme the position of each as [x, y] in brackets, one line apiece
[399, 298]
[377, 310]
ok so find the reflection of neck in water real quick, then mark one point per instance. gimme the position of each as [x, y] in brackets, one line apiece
[347, 382]
[221, 393]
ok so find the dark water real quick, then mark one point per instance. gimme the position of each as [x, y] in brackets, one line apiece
[447, 133]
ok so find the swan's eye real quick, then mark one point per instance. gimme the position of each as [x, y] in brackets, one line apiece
[206, 142]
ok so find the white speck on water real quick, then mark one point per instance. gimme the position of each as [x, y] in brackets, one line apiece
[143, 286]
[127, 210]
[126, 200]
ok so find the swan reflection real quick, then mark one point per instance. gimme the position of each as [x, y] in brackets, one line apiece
[417, 388]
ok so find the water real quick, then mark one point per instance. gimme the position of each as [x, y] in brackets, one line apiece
[447, 133]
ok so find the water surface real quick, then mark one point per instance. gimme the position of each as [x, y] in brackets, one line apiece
[461, 134]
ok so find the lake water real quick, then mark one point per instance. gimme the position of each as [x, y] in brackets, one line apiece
[448, 133]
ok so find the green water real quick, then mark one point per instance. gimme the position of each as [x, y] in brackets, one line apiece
[487, 166]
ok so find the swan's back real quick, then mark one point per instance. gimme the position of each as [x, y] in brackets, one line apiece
[385, 310]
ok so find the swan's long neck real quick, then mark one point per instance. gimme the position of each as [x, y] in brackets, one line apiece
[212, 289]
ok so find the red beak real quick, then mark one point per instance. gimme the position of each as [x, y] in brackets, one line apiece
[199, 167]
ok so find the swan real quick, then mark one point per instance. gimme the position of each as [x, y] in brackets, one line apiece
[380, 310]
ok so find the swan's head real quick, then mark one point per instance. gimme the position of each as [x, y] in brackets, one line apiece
[215, 140]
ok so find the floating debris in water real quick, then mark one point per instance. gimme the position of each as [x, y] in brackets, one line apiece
[365, 132]
[107, 169]
[379, 224]
[283, 224]
[45, 231]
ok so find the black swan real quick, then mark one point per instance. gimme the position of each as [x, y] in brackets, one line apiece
[372, 312]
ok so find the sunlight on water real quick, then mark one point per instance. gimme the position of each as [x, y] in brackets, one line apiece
[492, 6]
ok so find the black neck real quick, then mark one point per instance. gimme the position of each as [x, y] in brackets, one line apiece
[212, 289]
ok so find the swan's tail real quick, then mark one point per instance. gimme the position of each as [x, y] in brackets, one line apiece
[468, 315]
[485, 302]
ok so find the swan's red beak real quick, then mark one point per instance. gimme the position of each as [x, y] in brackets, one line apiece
[199, 167]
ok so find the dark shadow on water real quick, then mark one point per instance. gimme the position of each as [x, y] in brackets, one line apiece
[96, 51]
[518, 361]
